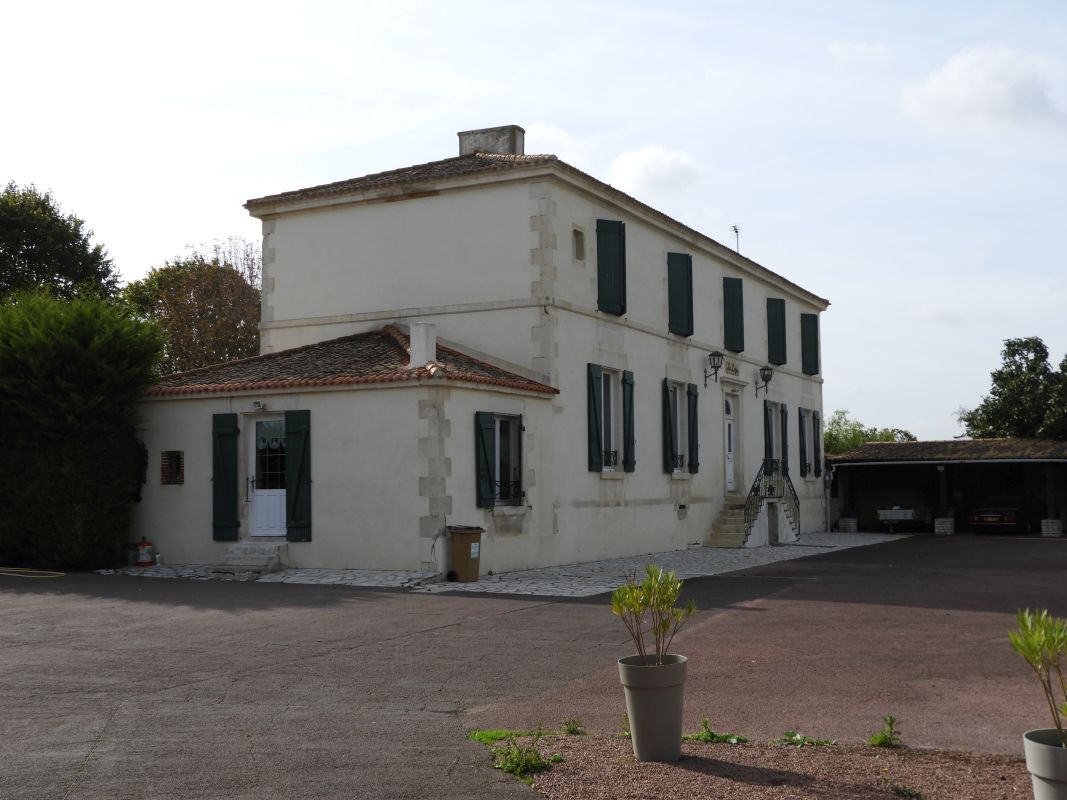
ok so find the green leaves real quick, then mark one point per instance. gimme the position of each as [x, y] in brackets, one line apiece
[1041, 640]
[842, 433]
[1027, 397]
[653, 600]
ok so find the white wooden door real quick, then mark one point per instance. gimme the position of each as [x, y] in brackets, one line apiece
[729, 440]
[266, 469]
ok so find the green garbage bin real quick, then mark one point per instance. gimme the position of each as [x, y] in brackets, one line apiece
[466, 552]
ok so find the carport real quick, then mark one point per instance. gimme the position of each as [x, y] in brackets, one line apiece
[943, 481]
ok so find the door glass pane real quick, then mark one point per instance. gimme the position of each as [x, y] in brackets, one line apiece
[270, 454]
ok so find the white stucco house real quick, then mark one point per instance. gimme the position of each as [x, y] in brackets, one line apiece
[500, 340]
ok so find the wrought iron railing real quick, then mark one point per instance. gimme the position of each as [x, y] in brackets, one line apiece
[509, 490]
[679, 462]
[772, 481]
[611, 458]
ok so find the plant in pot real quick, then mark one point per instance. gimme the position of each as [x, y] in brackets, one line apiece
[1041, 639]
[653, 679]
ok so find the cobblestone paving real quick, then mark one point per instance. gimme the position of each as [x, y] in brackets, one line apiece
[573, 580]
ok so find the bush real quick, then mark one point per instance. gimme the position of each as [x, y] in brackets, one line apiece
[71, 374]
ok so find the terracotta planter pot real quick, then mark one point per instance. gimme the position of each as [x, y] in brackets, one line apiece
[654, 706]
[1046, 758]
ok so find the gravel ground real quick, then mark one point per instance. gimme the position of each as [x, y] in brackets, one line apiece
[601, 767]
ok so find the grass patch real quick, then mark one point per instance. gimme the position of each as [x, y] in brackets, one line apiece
[904, 791]
[800, 740]
[709, 736]
[888, 736]
[491, 736]
[572, 726]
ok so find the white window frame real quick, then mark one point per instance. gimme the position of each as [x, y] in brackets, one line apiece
[679, 399]
[511, 450]
[612, 416]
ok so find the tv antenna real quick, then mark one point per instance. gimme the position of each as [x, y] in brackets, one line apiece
[737, 237]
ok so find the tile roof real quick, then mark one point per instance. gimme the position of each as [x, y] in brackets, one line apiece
[1008, 449]
[423, 176]
[379, 356]
[456, 167]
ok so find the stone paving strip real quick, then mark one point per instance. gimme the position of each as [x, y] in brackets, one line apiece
[573, 580]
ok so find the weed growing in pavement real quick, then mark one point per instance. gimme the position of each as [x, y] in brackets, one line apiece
[491, 736]
[888, 736]
[800, 740]
[572, 726]
[524, 760]
[711, 737]
[904, 791]
[624, 726]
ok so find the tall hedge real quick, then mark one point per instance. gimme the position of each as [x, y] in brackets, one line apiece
[71, 374]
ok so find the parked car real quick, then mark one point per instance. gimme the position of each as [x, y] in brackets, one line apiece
[1006, 513]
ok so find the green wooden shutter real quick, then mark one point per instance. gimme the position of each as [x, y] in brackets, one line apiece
[680, 294]
[611, 266]
[785, 439]
[225, 518]
[802, 442]
[484, 457]
[670, 411]
[809, 343]
[694, 437]
[629, 456]
[298, 476]
[776, 351]
[816, 436]
[768, 429]
[595, 408]
[733, 315]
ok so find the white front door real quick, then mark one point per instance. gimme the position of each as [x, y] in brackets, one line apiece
[266, 468]
[729, 439]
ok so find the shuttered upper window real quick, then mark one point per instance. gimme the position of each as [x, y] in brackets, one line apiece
[776, 353]
[809, 343]
[680, 293]
[611, 266]
[733, 315]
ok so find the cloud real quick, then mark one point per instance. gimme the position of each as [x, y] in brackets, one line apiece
[941, 314]
[859, 53]
[653, 169]
[985, 87]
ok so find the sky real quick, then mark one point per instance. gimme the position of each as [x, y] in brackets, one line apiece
[905, 160]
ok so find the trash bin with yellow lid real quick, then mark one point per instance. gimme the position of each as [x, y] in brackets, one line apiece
[466, 552]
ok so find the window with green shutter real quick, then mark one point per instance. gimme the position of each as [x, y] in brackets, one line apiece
[611, 266]
[733, 315]
[484, 453]
[785, 438]
[816, 435]
[225, 519]
[692, 393]
[298, 476]
[776, 352]
[498, 459]
[680, 294]
[809, 343]
[802, 441]
[610, 407]
[629, 456]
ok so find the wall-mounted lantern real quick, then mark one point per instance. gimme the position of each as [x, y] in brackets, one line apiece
[765, 375]
[715, 363]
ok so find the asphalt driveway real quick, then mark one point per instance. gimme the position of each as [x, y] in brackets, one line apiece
[118, 687]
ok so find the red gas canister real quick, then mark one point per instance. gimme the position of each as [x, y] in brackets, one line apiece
[145, 553]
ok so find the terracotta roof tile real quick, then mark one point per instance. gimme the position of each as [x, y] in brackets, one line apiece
[1007, 449]
[379, 356]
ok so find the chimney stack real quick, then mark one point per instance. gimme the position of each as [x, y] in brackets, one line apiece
[506, 140]
[423, 344]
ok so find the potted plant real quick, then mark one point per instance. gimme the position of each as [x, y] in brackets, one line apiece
[1041, 639]
[653, 679]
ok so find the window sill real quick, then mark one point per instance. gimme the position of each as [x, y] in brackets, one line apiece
[681, 476]
[509, 511]
[612, 475]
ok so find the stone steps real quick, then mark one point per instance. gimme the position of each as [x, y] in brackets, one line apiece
[246, 561]
[729, 528]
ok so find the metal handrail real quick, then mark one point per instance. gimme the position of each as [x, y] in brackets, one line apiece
[772, 481]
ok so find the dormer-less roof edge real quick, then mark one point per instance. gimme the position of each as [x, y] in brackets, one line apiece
[460, 171]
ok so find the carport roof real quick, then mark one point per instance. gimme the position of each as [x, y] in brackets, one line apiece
[954, 450]
[379, 356]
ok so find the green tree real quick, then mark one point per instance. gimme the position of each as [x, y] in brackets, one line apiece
[207, 305]
[40, 248]
[1027, 398]
[842, 433]
[71, 375]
